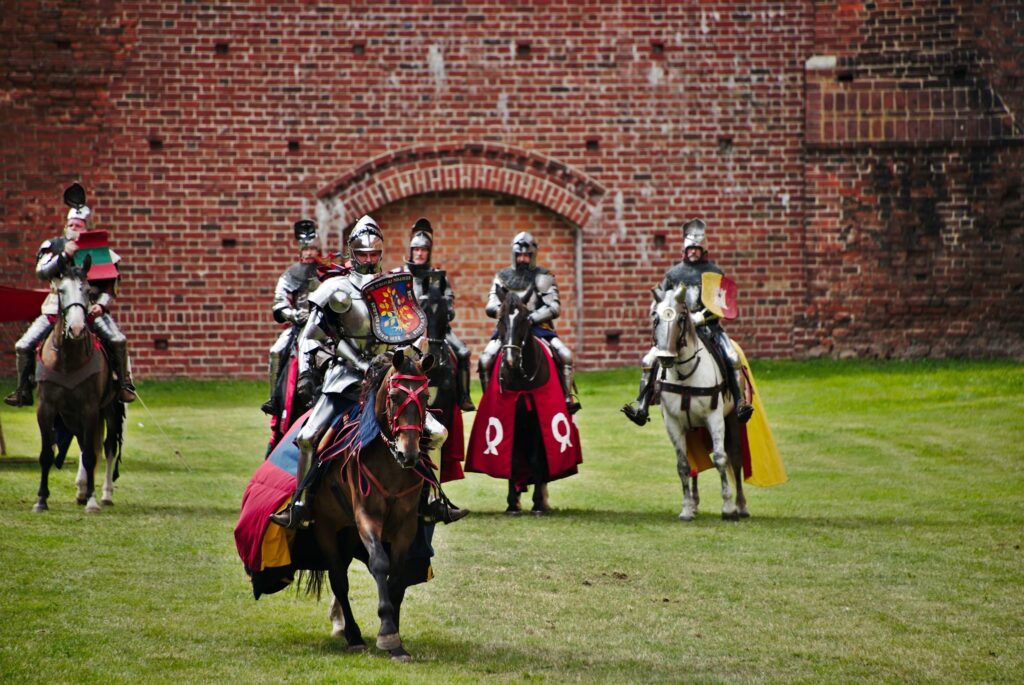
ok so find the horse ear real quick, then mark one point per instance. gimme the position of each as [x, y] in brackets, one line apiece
[427, 363]
[86, 265]
[398, 359]
[680, 294]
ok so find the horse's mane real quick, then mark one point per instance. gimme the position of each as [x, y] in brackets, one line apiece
[379, 366]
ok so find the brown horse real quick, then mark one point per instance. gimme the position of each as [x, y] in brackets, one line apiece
[76, 396]
[370, 498]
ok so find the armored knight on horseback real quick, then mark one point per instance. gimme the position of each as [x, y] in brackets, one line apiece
[690, 272]
[418, 263]
[536, 286]
[52, 258]
[339, 314]
[291, 297]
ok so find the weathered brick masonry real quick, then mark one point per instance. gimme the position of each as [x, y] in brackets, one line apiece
[859, 163]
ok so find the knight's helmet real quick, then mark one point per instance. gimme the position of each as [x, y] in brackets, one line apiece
[524, 243]
[306, 235]
[366, 237]
[421, 235]
[74, 197]
[695, 235]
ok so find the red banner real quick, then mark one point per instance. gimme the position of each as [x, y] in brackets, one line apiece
[17, 304]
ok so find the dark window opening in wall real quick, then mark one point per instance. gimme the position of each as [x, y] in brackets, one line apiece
[229, 242]
[660, 240]
[221, 47]
[523, 49]
[358, 48]
[593, 143]
[62, 44]
[160, 343]
[156, 144]
[725, 145]
[845, 77]
[293, 146]
[613, 336]
[657, 48]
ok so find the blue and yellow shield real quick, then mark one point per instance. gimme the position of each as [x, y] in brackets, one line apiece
[395, 315]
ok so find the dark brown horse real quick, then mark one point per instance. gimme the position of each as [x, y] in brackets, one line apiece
[523, 367]
[370, 497]
[76, 396]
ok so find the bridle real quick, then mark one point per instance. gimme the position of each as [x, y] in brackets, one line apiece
[412, 395]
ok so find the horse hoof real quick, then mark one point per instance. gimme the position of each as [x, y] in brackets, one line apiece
[686, 517]
[744, 514]
[538, 512]
[81, 500]
[513, 512]
[40, 507]
[107, 502]
[400, 655]
[390, 642]
[731, 516]
[356, 648]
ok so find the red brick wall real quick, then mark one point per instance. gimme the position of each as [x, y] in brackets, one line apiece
[203, 131]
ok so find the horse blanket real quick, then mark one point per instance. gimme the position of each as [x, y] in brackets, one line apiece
[762, 463]
[492, 438]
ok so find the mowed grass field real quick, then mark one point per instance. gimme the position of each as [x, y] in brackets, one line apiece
[893, 554]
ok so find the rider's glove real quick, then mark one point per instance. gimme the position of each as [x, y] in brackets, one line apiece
[532, 318]
[304, 388]
[697, 318]
[299, 317]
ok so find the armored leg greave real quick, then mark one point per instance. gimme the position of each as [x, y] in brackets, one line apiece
[486, 362]
[737, 384]
[108, 331]
[274, 367]
[25, 350]
[297, 512]
[462, 371]
[565, 356]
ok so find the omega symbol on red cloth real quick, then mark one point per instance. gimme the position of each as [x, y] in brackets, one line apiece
[563, 436]
[494, 435]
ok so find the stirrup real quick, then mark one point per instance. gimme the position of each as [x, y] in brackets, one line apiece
[573, 404]
[439, 511]
[19, 398]
[744, 412]
[127, 393]
[637, 415]
[291, 517]
[268, 407]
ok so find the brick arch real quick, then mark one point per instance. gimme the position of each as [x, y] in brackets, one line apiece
[470, 166]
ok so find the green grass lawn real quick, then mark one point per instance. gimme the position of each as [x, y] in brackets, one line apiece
[892, 555]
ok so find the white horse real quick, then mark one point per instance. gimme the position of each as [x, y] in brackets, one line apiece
[695, 394]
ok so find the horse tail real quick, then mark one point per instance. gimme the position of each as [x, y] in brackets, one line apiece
[313, 581]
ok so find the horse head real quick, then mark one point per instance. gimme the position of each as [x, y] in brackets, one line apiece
[513, 329]
[672, 325]
[402, 406]
[73, 300]
[438, 316]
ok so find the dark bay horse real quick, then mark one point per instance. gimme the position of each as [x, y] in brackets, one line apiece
[523, 367]
[369, 498]
[443, 387]
[76, 395]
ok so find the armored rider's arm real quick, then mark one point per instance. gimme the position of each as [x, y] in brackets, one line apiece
[51, 259]
[449, 299]
[350, 354]
[547, 293]
[311, 338]
[103, 292]
[283, 310]
[493, 300]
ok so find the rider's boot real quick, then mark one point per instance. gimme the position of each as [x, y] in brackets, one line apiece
[22, 396]
[484, 374]
[273, 368]
[744, 410]
[636, 411]
[440, 509]
[297, 513]
[119, 357]
[465, 401]
[567, 382]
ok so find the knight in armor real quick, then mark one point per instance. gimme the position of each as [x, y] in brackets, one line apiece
[291, 297]
[689, 271]
[418, 263]
[52, 258]
[339, 314]
[524, 275]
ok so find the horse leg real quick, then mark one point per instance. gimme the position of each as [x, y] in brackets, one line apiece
[735, 450]
[338, 557]
[379, 565]
[45, 418]
[716, 426]
[110, 453]
[696, 494]
[514, 508]
[92, 445]
[678, 440]
[540, 499]
[396, 592]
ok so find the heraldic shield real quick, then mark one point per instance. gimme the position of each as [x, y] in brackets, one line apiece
[94, 244]
[718, 294]
[395, 315]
